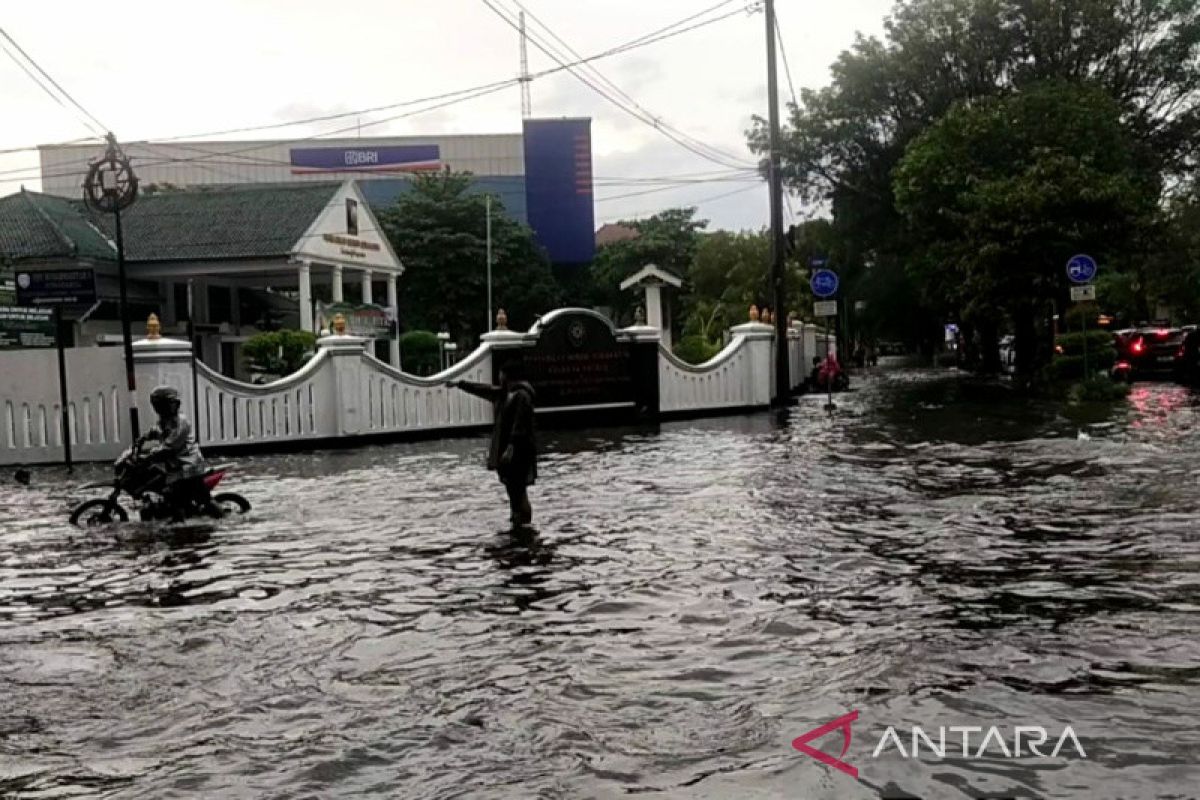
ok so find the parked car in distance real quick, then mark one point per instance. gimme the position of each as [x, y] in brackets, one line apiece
[1149, 351]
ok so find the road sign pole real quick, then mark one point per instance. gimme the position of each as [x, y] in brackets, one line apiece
[62, 387]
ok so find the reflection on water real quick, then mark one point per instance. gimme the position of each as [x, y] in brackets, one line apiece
[690, 599]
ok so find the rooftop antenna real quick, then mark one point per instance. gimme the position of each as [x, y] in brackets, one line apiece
[526, 101]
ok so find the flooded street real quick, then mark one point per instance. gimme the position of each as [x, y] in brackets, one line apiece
[693, 599]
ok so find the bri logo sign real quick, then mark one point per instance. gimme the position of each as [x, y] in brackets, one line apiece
[971, 742]
[391, 158]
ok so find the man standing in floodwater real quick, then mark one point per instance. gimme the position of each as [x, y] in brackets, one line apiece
[513, 450]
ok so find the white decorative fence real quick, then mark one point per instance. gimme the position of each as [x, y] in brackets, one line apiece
[740, 376]
[31, 428]
[341, 393]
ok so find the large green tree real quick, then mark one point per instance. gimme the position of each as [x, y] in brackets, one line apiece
[843, 142]
[439, 231]
[1000, 193]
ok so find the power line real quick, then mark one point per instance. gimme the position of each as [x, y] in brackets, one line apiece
[700, 201]
[637, 113]
[460, 95]
[210, 154]
[595, 71]
[41, 85]
[787, 70]
[756, 181]
[55, 84]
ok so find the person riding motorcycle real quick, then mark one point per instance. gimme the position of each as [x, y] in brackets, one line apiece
[177, 453]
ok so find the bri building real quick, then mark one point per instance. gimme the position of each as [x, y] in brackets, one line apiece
[543, 174]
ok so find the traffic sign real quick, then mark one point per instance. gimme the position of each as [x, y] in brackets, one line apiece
[1083, 294]
[817, 262]
[825, 308]
[56, 287]
[824, 283]
[1081, 269]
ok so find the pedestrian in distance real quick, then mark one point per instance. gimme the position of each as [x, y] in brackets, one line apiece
[513, 449]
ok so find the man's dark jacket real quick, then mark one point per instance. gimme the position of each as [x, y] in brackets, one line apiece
[514, 427]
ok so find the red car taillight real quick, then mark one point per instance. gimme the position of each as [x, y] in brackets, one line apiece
[1138, 347]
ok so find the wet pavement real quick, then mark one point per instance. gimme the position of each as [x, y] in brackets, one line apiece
[694, 597]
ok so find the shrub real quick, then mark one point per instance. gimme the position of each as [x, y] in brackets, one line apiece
[420, 352]
[1097, 389]
[1068, 365]
[695, 349]
[278, 352]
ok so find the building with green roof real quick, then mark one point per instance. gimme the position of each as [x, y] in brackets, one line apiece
[249, 256]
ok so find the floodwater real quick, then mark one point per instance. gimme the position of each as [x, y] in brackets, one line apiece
[692, 600]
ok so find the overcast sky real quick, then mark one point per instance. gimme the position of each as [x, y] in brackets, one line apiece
[149, 69]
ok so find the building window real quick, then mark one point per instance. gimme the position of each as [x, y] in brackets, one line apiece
[351, 216]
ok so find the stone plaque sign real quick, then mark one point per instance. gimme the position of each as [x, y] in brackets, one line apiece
[577, 361]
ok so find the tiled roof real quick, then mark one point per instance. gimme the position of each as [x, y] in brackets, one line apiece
[611, 233]
[251, 221]
[34, 225]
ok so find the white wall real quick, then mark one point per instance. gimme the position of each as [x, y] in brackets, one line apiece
[30, 418]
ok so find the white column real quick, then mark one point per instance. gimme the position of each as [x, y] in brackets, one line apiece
[654, 316]
[337, 283]
[393, 302]
[366, 287]
[306, 310]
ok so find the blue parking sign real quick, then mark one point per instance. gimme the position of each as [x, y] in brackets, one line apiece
[1081, 269]
[824, 283]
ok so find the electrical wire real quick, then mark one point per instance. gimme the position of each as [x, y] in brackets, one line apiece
[460, 95]
[787, 70]
[756, 181]
[604, 80]
[89, 115]
[639, 114]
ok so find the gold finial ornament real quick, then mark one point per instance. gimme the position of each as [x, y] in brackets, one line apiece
[153, 328]
[501, 320]
[339, 324]
[754, 313]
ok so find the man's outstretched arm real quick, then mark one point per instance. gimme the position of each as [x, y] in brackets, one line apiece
[493, 394]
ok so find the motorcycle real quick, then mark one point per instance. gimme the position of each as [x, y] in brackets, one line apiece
[146, 484]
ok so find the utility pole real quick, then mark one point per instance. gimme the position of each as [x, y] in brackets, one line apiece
[526, 100]
[775, 181]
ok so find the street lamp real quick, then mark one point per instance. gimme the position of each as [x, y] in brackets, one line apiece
[110, 186]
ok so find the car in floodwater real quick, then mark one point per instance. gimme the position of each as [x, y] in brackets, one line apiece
[1149, 351]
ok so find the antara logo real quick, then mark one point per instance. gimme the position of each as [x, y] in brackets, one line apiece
[1028, 741]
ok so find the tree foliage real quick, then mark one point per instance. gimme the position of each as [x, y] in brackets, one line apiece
[668, 239]
[845, 141]
[280, 352]
[438, 230]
